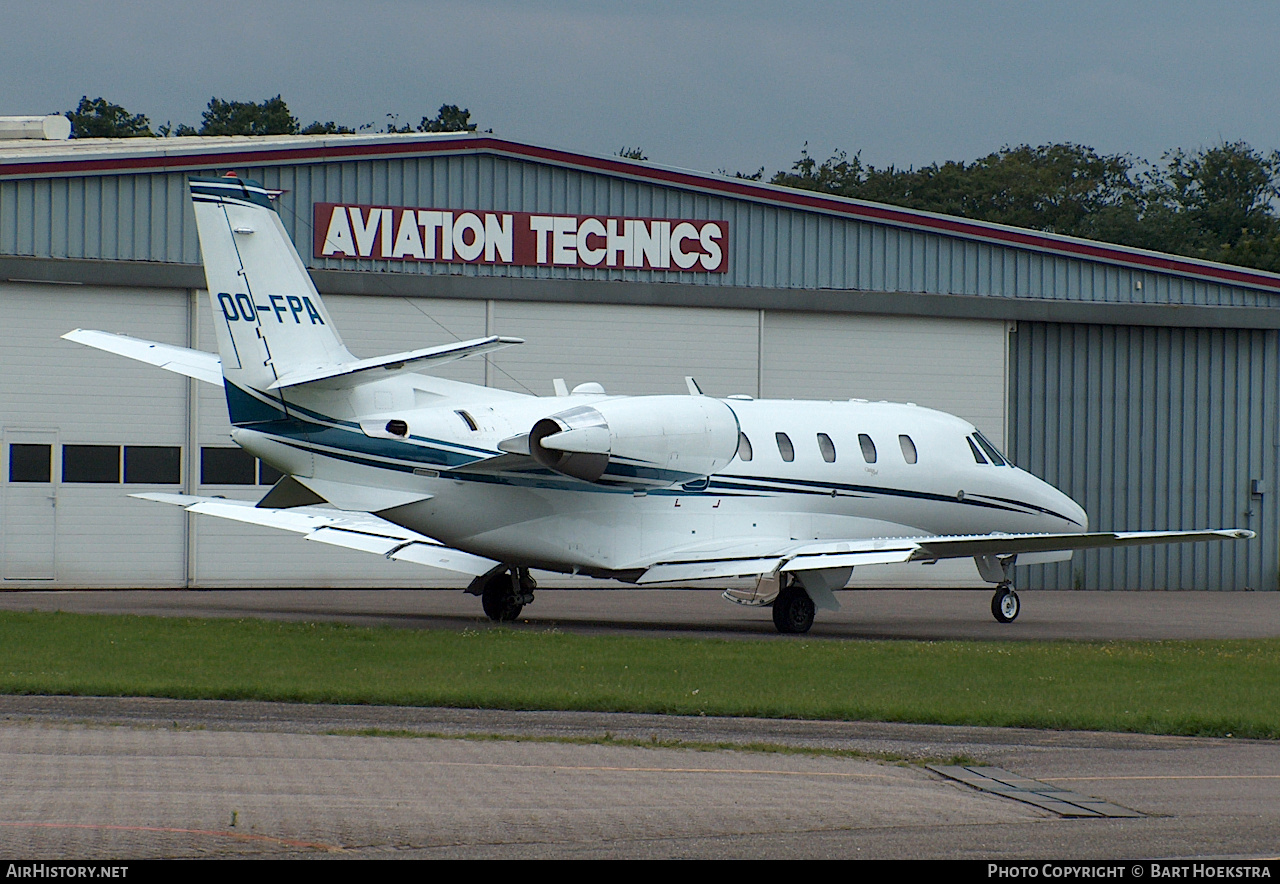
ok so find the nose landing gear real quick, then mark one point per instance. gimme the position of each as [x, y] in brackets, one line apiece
[999, 570]
[1004, 604]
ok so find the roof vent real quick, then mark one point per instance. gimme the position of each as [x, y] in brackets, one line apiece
[53, 127]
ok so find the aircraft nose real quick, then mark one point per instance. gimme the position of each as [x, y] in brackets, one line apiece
[1075, 512]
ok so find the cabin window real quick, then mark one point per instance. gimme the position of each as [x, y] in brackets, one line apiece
[466, 419]
[977, 455]
[744, 447]
[30, 463]
[827, 447]
[868, 448]
[992, 452]
[91, 463]
[785, 448]
[908, 449]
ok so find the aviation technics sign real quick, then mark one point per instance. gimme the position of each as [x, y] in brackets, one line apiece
[519, 238]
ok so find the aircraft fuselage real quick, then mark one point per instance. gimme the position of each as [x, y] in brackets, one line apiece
[816, 470]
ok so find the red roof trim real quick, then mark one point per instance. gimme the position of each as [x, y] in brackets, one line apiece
[786, 197]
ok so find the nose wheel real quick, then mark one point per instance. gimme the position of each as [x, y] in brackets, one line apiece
[1004, 604]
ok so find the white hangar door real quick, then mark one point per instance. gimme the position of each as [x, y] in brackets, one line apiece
[82, 429]
[957, 366]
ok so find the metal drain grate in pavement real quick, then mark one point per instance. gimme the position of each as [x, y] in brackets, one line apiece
[1051, 798]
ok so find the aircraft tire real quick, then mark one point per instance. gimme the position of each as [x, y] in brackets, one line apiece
[1005, 606]
[793, 611]
[499, 600]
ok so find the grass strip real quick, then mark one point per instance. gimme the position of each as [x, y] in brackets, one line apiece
[1183, 687]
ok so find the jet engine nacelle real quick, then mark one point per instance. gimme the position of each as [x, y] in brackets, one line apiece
[643, 441]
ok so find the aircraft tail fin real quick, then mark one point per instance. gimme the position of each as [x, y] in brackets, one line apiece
[269, 319]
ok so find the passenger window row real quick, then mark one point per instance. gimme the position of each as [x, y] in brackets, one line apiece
[827, 448]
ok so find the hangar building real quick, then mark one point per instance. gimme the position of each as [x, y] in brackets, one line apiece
[1144, 385]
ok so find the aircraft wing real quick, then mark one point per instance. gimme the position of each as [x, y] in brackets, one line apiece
[196, 364]
[360, 531]
[752, 558]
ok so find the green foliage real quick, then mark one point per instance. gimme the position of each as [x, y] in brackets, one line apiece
[631, 153]
[450, 118]
[271, 117]
[99, 118]
[1207, 687]
[329, 128]
[1218, 203]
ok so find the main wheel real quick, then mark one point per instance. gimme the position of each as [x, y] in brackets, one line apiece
[793, 611]
[1005, 605]
[499, 599]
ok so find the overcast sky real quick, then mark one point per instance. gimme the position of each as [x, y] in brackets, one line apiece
[700, 85]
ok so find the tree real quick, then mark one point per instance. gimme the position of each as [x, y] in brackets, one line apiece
[329, 128]
[450, 118]
[271, 117]
[1227, 191]
[99, 118]
[631, 153]
[1218, 203]
[1064, 188]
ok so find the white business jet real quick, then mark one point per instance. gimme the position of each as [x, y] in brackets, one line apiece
[380, 456]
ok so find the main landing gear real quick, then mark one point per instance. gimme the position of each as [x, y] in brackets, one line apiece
[1004, 604]
[504, 592]
[793, 610]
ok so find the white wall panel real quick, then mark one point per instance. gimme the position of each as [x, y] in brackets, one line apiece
[104, 538]
[957, 366]
[631, 350]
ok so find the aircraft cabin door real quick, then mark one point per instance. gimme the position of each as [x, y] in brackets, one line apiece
[29, 511]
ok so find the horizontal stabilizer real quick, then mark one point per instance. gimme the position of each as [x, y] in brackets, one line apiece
[196, 364]
[396, 363]
[358, 531]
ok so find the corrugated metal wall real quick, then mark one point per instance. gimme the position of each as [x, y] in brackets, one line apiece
[147, 217]
[1153, 429]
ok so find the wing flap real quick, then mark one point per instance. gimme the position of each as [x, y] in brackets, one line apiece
[753, 558]
[1010, 544]
[668, 573]
[359, 531]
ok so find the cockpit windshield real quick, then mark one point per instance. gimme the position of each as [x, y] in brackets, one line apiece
[992, 452]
